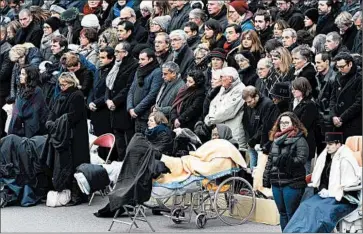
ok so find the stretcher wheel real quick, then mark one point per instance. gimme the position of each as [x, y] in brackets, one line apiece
[176, 214]
[236, 204]
[201, 220]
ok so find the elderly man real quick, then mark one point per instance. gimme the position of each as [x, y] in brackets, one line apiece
[140, 33]
[301, 60]
[182, 54]
[227, 107]
[325, 23]
[199, 17]
[289, 37]
[256, 108]
[334, 45]
[30, 31]
[169, 89]
[346, 97]
[267, 77]
[347, 29]
[179, 14]
[218, 11]
[162, 48]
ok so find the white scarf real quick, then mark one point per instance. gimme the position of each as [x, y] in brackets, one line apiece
[111, 77]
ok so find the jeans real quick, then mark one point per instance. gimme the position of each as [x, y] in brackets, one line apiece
[253, 158]
[287, 200]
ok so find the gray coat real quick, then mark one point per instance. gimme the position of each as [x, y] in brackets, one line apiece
[167, 95]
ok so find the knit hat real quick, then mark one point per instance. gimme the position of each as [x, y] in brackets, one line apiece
[57, 9]
[281, 90]
[53, 22]
[90, 21]
[70, 14]
[241, 6]
[312, 14]
[163, 21]
[218, 53]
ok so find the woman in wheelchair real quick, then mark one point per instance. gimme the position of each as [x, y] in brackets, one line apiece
[336, 169]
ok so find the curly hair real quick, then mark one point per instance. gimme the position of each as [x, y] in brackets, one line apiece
[198, 77]
[32, 79]
[295, 123]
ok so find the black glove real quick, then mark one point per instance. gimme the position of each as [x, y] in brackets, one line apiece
[10, 100]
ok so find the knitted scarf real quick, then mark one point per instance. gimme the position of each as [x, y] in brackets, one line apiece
[288, 133]
[111, 77]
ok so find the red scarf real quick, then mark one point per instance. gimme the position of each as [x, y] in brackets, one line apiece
[183, 94]
[227, 47]
[88, 10]
[291, 132]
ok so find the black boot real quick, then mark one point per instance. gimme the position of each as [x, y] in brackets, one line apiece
[77, 197]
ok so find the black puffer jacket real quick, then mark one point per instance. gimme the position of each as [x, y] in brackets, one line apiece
[285, 164]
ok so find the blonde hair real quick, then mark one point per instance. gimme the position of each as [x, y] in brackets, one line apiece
[17, 52]
[344, 19]
[286, 59]
[70, 78]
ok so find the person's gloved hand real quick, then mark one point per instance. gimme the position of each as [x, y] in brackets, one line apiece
[324, 193]
[49, 124]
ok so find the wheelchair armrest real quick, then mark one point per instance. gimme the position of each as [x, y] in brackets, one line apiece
[354, 188]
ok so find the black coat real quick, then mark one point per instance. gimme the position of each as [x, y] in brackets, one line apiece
[32, 34]
[266, 35]
[293, 17]
[346, 102]
[6, 67]
[310, 74]
[349, 36]
[185, 60]
[120, 118]
[191, 110]
[100, 118]
[285, 163]
[85, 78]
[76, 32]
[161, 138]
[357, 44]
[307, 112]
[71, 102]
[248, 76]
[140, 33]
[326, 24]
[253, 119]
[179, 17]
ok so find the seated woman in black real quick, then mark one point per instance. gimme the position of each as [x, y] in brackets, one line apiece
[158, 133]
[188, 104]
[30, 110]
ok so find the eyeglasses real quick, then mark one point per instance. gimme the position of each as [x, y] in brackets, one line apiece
[175, 40]
[341, 67]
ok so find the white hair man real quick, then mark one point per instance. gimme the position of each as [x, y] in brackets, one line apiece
[226, 107]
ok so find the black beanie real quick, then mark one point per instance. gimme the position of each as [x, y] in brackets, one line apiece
[312, 14]
[53, 22]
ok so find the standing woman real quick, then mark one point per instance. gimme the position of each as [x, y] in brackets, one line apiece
[306, 110]
[89, 44]
[282, 61]
[310, 21]
[30, 110]
[71, 103]
[285, 170]
[213, 35]
[188, 104]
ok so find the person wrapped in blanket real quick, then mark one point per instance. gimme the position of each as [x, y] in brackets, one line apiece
[336, 169]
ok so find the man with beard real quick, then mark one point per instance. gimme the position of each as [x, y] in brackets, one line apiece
[289, 13]
[144, 89]
[263, 25]
[325, 23]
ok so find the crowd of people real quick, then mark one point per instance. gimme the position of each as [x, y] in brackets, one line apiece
[280, 74]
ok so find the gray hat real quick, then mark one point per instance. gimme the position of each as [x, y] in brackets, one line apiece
[163, 21]
[57, 9]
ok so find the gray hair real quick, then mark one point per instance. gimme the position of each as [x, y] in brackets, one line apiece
[165, 35]
[230, 71]
[202, 48]
[319, 43]
[198, 13]
[172, 67]
[125, 46]
[267, 62]
[179, 33]
[344, 19]
[26, 11]
[130, 10]
[335, 37]
[291, 31]
[304, 52]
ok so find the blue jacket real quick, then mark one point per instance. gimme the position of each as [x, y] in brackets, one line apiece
[150, 91]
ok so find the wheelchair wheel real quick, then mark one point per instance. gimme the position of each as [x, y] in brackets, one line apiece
[201, 220]
[176, 214]
[234, 201]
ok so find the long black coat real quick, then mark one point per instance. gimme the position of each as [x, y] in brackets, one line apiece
[309, 73]
[120, 118]
[71, 102]
[326, 24]
[6, 67]
[346, 102]
[307, 112]
[85, 78]
[100, 118]
[191, 110]
[349, 36]
[32, 34]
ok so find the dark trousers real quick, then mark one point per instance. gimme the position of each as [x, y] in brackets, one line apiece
[123, 138]
[140, 125]
[3, 116]
[287, 200]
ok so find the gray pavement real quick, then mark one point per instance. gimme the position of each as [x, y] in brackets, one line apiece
[81, 219]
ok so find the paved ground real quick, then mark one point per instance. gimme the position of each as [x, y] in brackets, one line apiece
[81, 219]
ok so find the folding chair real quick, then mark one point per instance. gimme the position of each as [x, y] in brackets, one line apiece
[107, 141]
[139, 214]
